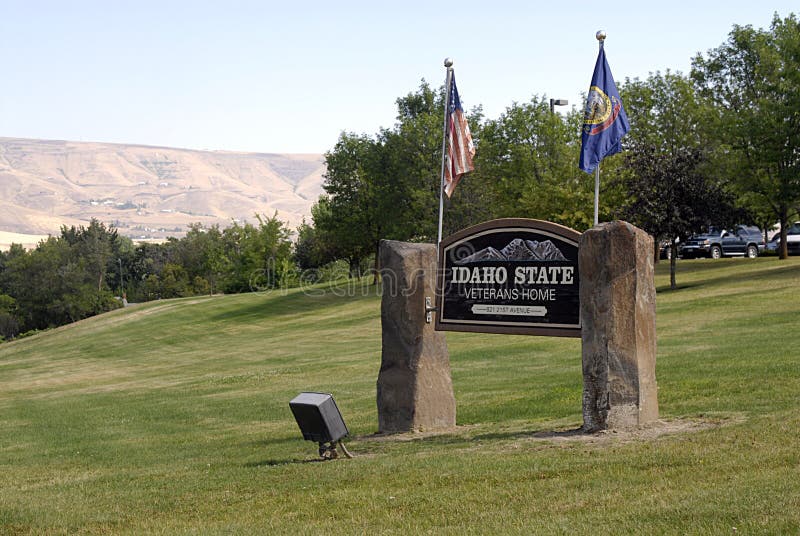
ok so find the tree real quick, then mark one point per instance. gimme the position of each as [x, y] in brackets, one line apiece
[95, 245]
[386, 186]
[412, 164]
[119, 275]
[257, 256]
[665, 113]
[310, 249]
[669, 195]
[174, 282]
[528, 159]
[55, 284]
[141, 269]
[349, 215]
[201, 253]
[669, 123]
[9, 325]
[754, 78]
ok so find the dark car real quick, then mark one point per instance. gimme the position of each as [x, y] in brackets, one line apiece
[741, 241]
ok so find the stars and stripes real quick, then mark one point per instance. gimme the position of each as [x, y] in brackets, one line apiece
[460, 148]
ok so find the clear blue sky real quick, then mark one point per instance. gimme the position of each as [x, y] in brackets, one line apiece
[290, 76]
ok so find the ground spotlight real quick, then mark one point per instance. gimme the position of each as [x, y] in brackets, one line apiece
[319, 420]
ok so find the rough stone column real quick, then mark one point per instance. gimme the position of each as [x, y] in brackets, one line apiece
[415, 390]
[618, 317]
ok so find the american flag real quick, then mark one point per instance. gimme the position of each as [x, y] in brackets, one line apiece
[460, 148]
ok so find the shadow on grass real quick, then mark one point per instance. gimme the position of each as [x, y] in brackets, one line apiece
[279, 303]
[678, 288]
[430, 438]
[386, 444]
[282, 444]
[540, 434]
[767, 275]
[279, 463]
[450, 438]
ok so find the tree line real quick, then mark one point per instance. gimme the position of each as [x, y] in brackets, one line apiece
[89, 270]
[718, 146]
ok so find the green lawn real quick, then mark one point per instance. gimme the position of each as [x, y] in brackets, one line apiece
[172, 418]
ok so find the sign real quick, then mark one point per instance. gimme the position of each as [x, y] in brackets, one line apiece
[512, 275]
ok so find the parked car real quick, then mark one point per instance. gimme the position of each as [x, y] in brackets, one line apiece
[741, 241]
[792, 240]
[664, 249]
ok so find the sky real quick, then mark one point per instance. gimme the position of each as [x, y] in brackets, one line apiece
[289, 77]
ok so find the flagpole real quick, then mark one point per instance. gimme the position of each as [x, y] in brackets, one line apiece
[601, 37]
[448, 63]
[597, 194]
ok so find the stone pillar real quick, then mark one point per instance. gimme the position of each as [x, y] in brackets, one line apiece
[415, 390]
[618, 318]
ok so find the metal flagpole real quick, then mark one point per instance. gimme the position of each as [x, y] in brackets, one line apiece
[596, 194]
[601, 37]
[448, 63]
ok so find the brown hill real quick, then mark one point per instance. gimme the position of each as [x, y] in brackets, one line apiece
[148, 192]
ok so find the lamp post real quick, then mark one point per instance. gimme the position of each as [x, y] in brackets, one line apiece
[557, 102]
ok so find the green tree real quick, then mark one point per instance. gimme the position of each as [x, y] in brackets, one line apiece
[55, 284]
[754, 78]
[411, 165]
[669, 123]
[670, 195]
[173, 282]
[528, 159]
[119, 275]
[308, 252]
[9, 323]
[258, 256]
[349, 213]
[96, 245]
[201, 252]
[387, 186]
[666, 114]
[141, 269]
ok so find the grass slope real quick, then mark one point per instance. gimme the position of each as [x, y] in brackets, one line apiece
[172, 417]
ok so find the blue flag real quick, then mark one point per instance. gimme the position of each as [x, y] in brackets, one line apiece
[604, 119]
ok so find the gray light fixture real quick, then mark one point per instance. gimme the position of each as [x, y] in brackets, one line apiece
[557, 102]
[319, 420]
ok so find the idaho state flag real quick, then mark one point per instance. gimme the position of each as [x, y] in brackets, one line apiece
[604, 119]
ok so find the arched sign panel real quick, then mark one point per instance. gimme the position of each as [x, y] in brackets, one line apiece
[512, 275]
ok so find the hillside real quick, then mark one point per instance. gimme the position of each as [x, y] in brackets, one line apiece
[28, 241]
[172, 417]
[148, 192]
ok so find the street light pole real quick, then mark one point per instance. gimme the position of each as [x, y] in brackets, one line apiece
[121, 285]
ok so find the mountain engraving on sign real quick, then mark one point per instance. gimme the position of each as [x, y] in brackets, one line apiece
[517, 250]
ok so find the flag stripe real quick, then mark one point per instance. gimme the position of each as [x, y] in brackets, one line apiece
[460, 148]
